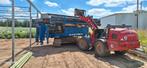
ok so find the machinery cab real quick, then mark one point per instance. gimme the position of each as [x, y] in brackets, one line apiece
[117, 38]
[121, 38]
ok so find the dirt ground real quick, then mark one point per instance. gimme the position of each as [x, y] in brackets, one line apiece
[66, 56]
[21, 46]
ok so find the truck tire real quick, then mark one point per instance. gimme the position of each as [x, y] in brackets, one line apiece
[57, 42]
[82, 44]
[120, 52]
[101, 49]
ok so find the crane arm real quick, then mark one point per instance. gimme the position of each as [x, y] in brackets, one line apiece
[89, 21]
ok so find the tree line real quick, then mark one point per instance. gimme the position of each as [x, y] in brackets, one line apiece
[8, 23]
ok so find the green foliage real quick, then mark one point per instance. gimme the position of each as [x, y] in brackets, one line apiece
[143, 37]
[20, 32]
[18, 23]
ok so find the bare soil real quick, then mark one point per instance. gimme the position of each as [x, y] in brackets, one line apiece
[65, 56]
[21, 46]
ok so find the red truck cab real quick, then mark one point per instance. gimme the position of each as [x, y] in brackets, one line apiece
[117, 38]
[121, 39]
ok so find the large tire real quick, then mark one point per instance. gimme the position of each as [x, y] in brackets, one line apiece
[120, 52]
[101, 49]
[82, 44]
[57, 42]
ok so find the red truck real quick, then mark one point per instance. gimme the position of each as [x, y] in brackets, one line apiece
[117, 38]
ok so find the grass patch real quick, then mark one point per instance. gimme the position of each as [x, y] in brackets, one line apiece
[143, 39]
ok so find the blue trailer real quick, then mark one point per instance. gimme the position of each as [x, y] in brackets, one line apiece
[69, 29]
[65, 29]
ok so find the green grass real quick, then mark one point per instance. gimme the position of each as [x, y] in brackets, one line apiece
[20, 32]
[143, 39]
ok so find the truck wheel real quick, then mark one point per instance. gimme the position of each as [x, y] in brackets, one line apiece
[57, 42]
[82, 44]
[101, 49]
[120, 52]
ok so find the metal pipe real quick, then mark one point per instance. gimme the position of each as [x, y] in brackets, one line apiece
[8, 11]
[34, 6]
[37, 15]
[15, 18]
[13, 32]
[30, 25]
[137, 13]
[141, 5]
[15, 6]
[22, 60]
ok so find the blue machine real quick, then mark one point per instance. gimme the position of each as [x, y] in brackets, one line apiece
[69, 29]
[61, 27]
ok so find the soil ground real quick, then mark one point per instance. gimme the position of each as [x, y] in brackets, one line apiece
[21, 46]
[65, 56]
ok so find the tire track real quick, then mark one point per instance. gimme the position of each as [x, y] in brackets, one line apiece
[97, 63]
[122, 61]
[72, 57]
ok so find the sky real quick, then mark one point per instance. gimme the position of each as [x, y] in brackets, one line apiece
[96, 8]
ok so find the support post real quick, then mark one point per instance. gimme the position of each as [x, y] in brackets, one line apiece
[137, 12]
[13, 32]
[141, 5]
[30, 26]
[37, 15]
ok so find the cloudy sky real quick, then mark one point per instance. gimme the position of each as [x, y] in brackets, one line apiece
[97, 8]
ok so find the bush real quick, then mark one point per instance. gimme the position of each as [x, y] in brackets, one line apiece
[19, 33]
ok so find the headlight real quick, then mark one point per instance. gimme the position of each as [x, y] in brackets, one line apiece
[125, 38]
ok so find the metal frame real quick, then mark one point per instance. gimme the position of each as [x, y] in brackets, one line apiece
[13, 24]
[34, 6]
[137, 13]
[14, 6]
[13, 15]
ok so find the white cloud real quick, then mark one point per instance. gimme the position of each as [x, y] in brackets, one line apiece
[95, 12]
[144, 8]
[51, 4]
[69, 11]
[95, 2]
[99, 12]
[5, 2]
[44, 12]
[110, 3]
[17, 9]
[30, 0]
[130, 8]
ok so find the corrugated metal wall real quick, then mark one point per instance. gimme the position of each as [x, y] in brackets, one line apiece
[125, 18]
[128, 19]
[107, 20]
[143, 21]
